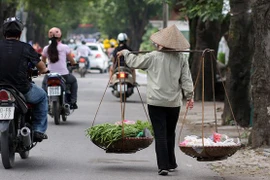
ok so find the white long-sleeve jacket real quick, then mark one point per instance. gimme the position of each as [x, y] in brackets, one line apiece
[168, 76]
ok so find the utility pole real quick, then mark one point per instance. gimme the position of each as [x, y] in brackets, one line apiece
[165, 14]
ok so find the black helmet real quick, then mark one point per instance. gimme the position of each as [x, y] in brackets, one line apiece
[12, 27]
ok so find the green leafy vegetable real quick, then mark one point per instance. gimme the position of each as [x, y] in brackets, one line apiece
[106, 134]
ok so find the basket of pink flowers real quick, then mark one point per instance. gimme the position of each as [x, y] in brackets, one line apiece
[216, 147]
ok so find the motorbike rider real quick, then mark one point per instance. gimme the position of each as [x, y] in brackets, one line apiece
[15, 58]
[122, 41]
[57, 54]
[84, 51]
[111, 49]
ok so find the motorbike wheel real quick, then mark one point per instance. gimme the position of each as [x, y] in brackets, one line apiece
[64, 117]
[82, 72]
[8, 146]
[24, 155]
[56, 112]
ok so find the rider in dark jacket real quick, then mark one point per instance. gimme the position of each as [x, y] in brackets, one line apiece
[122, 40]
[15, 58]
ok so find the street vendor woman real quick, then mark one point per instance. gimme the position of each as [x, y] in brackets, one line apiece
[168, 79]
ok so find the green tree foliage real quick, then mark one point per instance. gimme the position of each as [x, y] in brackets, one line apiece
[130, 16]
[147, 45]
[50, 13]
[205, 9]
[221, 57]
[109, 16]
[7, 9]
[207, 25]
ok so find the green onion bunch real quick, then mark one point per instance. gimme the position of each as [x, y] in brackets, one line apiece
[105, 134]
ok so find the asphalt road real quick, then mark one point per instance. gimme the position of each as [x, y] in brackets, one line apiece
[69, 155]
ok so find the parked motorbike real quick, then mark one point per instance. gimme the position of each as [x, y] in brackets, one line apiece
[15, 123]
[59, 96]
[122, 83]
[82, 70]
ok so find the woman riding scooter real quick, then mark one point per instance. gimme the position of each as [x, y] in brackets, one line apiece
[57, 54]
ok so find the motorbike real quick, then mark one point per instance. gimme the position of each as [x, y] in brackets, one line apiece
[58, 97]
[82, 69]
[15, 123]
[122, 83]
[71, 67]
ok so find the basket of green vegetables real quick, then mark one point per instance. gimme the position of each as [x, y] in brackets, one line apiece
[126, 137]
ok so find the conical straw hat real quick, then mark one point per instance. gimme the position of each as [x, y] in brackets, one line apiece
[170, 37]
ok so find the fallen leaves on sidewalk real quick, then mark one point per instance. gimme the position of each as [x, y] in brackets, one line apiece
[245, 162]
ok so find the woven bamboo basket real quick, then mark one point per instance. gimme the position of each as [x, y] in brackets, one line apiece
[126, 145]
[210, 153]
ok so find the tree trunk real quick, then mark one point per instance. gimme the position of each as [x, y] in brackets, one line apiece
[41, 39]
[139, 20]
[192, 36]
[7, 9]
[208, 36]
[239, 65]
[137, 30]
[226, 116]
[260, 80]
[36, 29]
[30, 34]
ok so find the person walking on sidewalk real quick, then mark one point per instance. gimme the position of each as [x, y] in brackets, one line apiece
[168, 79]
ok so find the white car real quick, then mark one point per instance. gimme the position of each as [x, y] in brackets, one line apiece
[99, 59]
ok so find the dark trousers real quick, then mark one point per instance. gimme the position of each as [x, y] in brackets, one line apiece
[164, 121]
[71, 79]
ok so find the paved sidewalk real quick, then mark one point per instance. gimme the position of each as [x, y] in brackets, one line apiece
[195, 118]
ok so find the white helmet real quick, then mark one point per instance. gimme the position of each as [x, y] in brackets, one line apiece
[122, 37]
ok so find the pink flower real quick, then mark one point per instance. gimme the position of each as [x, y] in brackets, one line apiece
[125, 121]
[216, 137]
[184, 143]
